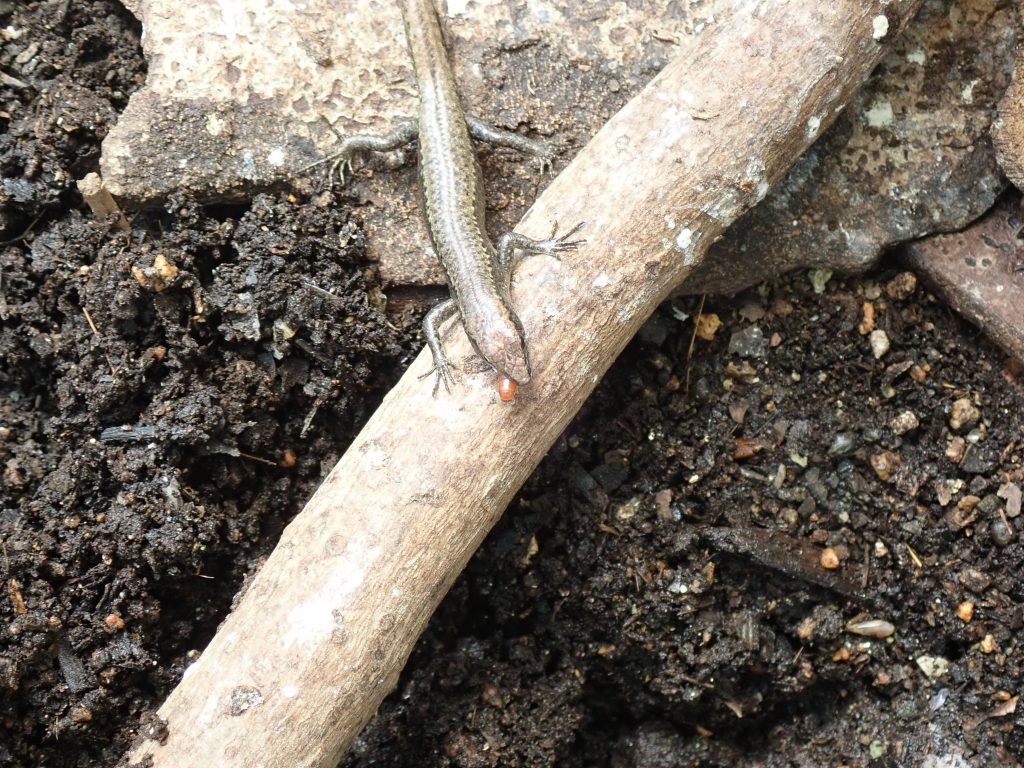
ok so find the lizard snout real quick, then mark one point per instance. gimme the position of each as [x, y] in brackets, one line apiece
[501, 345]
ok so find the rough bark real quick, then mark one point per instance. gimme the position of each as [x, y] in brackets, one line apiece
[904, 160]
[324, 629]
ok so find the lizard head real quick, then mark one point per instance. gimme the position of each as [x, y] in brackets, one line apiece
[499, 341]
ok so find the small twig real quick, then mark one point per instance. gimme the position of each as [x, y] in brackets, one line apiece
[260, 459]
[24, 234]
[321, 292]
[308, 421]
[914, 556]
[693, 343]
[100, 200]
[12, 81]
[867, 567]
[88, 319]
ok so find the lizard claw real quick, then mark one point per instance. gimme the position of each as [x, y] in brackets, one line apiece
[546, 162]
[340, 164]
[561, 244]
[340, 161]
[442, 375]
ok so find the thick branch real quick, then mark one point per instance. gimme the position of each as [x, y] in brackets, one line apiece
[325, 628]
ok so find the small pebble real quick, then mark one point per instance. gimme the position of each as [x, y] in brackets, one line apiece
[819, 279]
[805, 629]
[880, 549]
[663, 504]
[905, 422]
[1011, 492]
[938, 701]
[707, 326]
[919, 373]
[871, 628]
[829, 558]
[879, 341]
[782, 308]
[884, 464]
[738, 412]
[955, 449]
[752, 311]
[867, 325]
[989, 504]
[628, 510]
[978, 461]
[744, 372]
[967, 503]
[1002, 533]
[933, 666]
[901, 286]
[114, 622]
[842, 444]
[963, 414]
[749, 342]
[975, 436]
[678, 586]
[780, 477]
[974, 580]
[965, 611]
[988, 644]
[492, 696]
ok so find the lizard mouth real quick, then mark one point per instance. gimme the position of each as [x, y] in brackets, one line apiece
[502, 347]
[511, 366]
[514, 364]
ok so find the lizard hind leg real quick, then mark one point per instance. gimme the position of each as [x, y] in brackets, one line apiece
[485, 132]
[340, 161]
[513, 246]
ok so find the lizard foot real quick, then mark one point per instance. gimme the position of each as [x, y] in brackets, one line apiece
[553, 245]
[442, 375]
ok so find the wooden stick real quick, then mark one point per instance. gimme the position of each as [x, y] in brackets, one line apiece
[323, 631]
[100, 200]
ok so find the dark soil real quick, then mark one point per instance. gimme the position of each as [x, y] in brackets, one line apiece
[656, 596]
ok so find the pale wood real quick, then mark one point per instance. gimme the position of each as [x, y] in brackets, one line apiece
[100, 200]
[326, 626]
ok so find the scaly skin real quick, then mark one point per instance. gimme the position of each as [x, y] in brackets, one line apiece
[453, 194]
[478, 275]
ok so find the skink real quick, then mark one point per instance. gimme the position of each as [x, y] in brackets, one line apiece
[479, 276]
